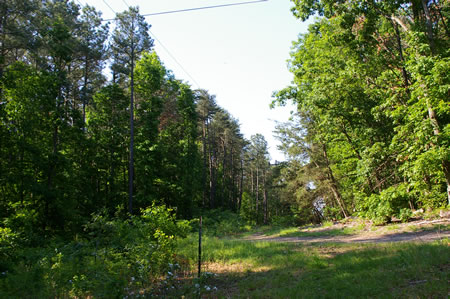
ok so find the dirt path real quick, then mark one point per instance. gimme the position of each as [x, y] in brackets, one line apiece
[423, 231]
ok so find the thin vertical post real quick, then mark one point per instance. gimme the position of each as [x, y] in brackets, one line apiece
[200, 247]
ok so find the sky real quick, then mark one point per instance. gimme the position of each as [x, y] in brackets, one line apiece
[238, 53]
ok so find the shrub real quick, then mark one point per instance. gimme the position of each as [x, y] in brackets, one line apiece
[113, 259]
[390, 202]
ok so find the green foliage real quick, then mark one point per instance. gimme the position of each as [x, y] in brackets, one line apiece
[405, 214]
[65, 154]
[114, 258]
[247, 210]
[390, 202]
[220, 222]
[283, 221]
[371, 86]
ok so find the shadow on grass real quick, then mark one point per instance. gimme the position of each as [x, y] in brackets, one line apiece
[333, 271]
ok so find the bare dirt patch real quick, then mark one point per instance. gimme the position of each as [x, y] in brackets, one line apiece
[415, 231]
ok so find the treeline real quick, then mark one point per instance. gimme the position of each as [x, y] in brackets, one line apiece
[103, 153]
[371, 133]
[69, 146]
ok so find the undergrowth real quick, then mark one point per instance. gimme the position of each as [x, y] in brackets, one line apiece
[113, 259]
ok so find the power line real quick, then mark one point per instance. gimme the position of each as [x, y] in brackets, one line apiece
[125, 2]
[174, 59]
[197, 8]
[170, 54]
[109, 8]
[201, 8]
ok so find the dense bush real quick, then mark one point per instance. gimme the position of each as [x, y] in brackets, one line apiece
[114, 258]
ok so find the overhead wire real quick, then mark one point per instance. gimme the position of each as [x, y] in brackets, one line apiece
[179, 11]
[197, 8]
[170, 54]
[109, 8]
[174, 59]
[201, 8]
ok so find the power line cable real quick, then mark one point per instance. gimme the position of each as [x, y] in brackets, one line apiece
[125, 2]
[197, 8]
[109, 8]
[170, 54]
[174, 59]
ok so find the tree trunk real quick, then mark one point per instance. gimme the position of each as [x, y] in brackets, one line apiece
[251, 174]
[333, 183]
[204, 162]
[257, 194]
[265, 198]
[429, 24]
[84, 95]
[212, 181]
[131, 171]
[241, 185]
[446, 169]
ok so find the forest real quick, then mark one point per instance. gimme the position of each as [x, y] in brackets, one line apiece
[106, 158]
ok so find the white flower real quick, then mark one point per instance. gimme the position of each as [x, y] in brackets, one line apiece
[170, 273]
[132, 278]
[207, 288]
[197, 285]
[215, 288]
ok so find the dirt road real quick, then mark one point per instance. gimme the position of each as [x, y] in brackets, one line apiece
[417, 231]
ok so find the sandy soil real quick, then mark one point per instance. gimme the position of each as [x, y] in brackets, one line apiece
[415, 231]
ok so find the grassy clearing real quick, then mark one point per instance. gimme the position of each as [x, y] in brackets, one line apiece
[245, 269]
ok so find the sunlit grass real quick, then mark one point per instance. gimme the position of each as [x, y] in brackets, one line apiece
[292, 270]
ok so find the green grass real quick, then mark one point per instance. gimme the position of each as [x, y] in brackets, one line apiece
[287, 270]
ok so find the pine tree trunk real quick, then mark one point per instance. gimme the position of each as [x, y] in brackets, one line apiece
[241, 185]
[257, 194]
[204, 162]
[265, 198]
[131, 171]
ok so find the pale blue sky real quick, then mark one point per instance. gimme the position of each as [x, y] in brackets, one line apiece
[237, 53]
